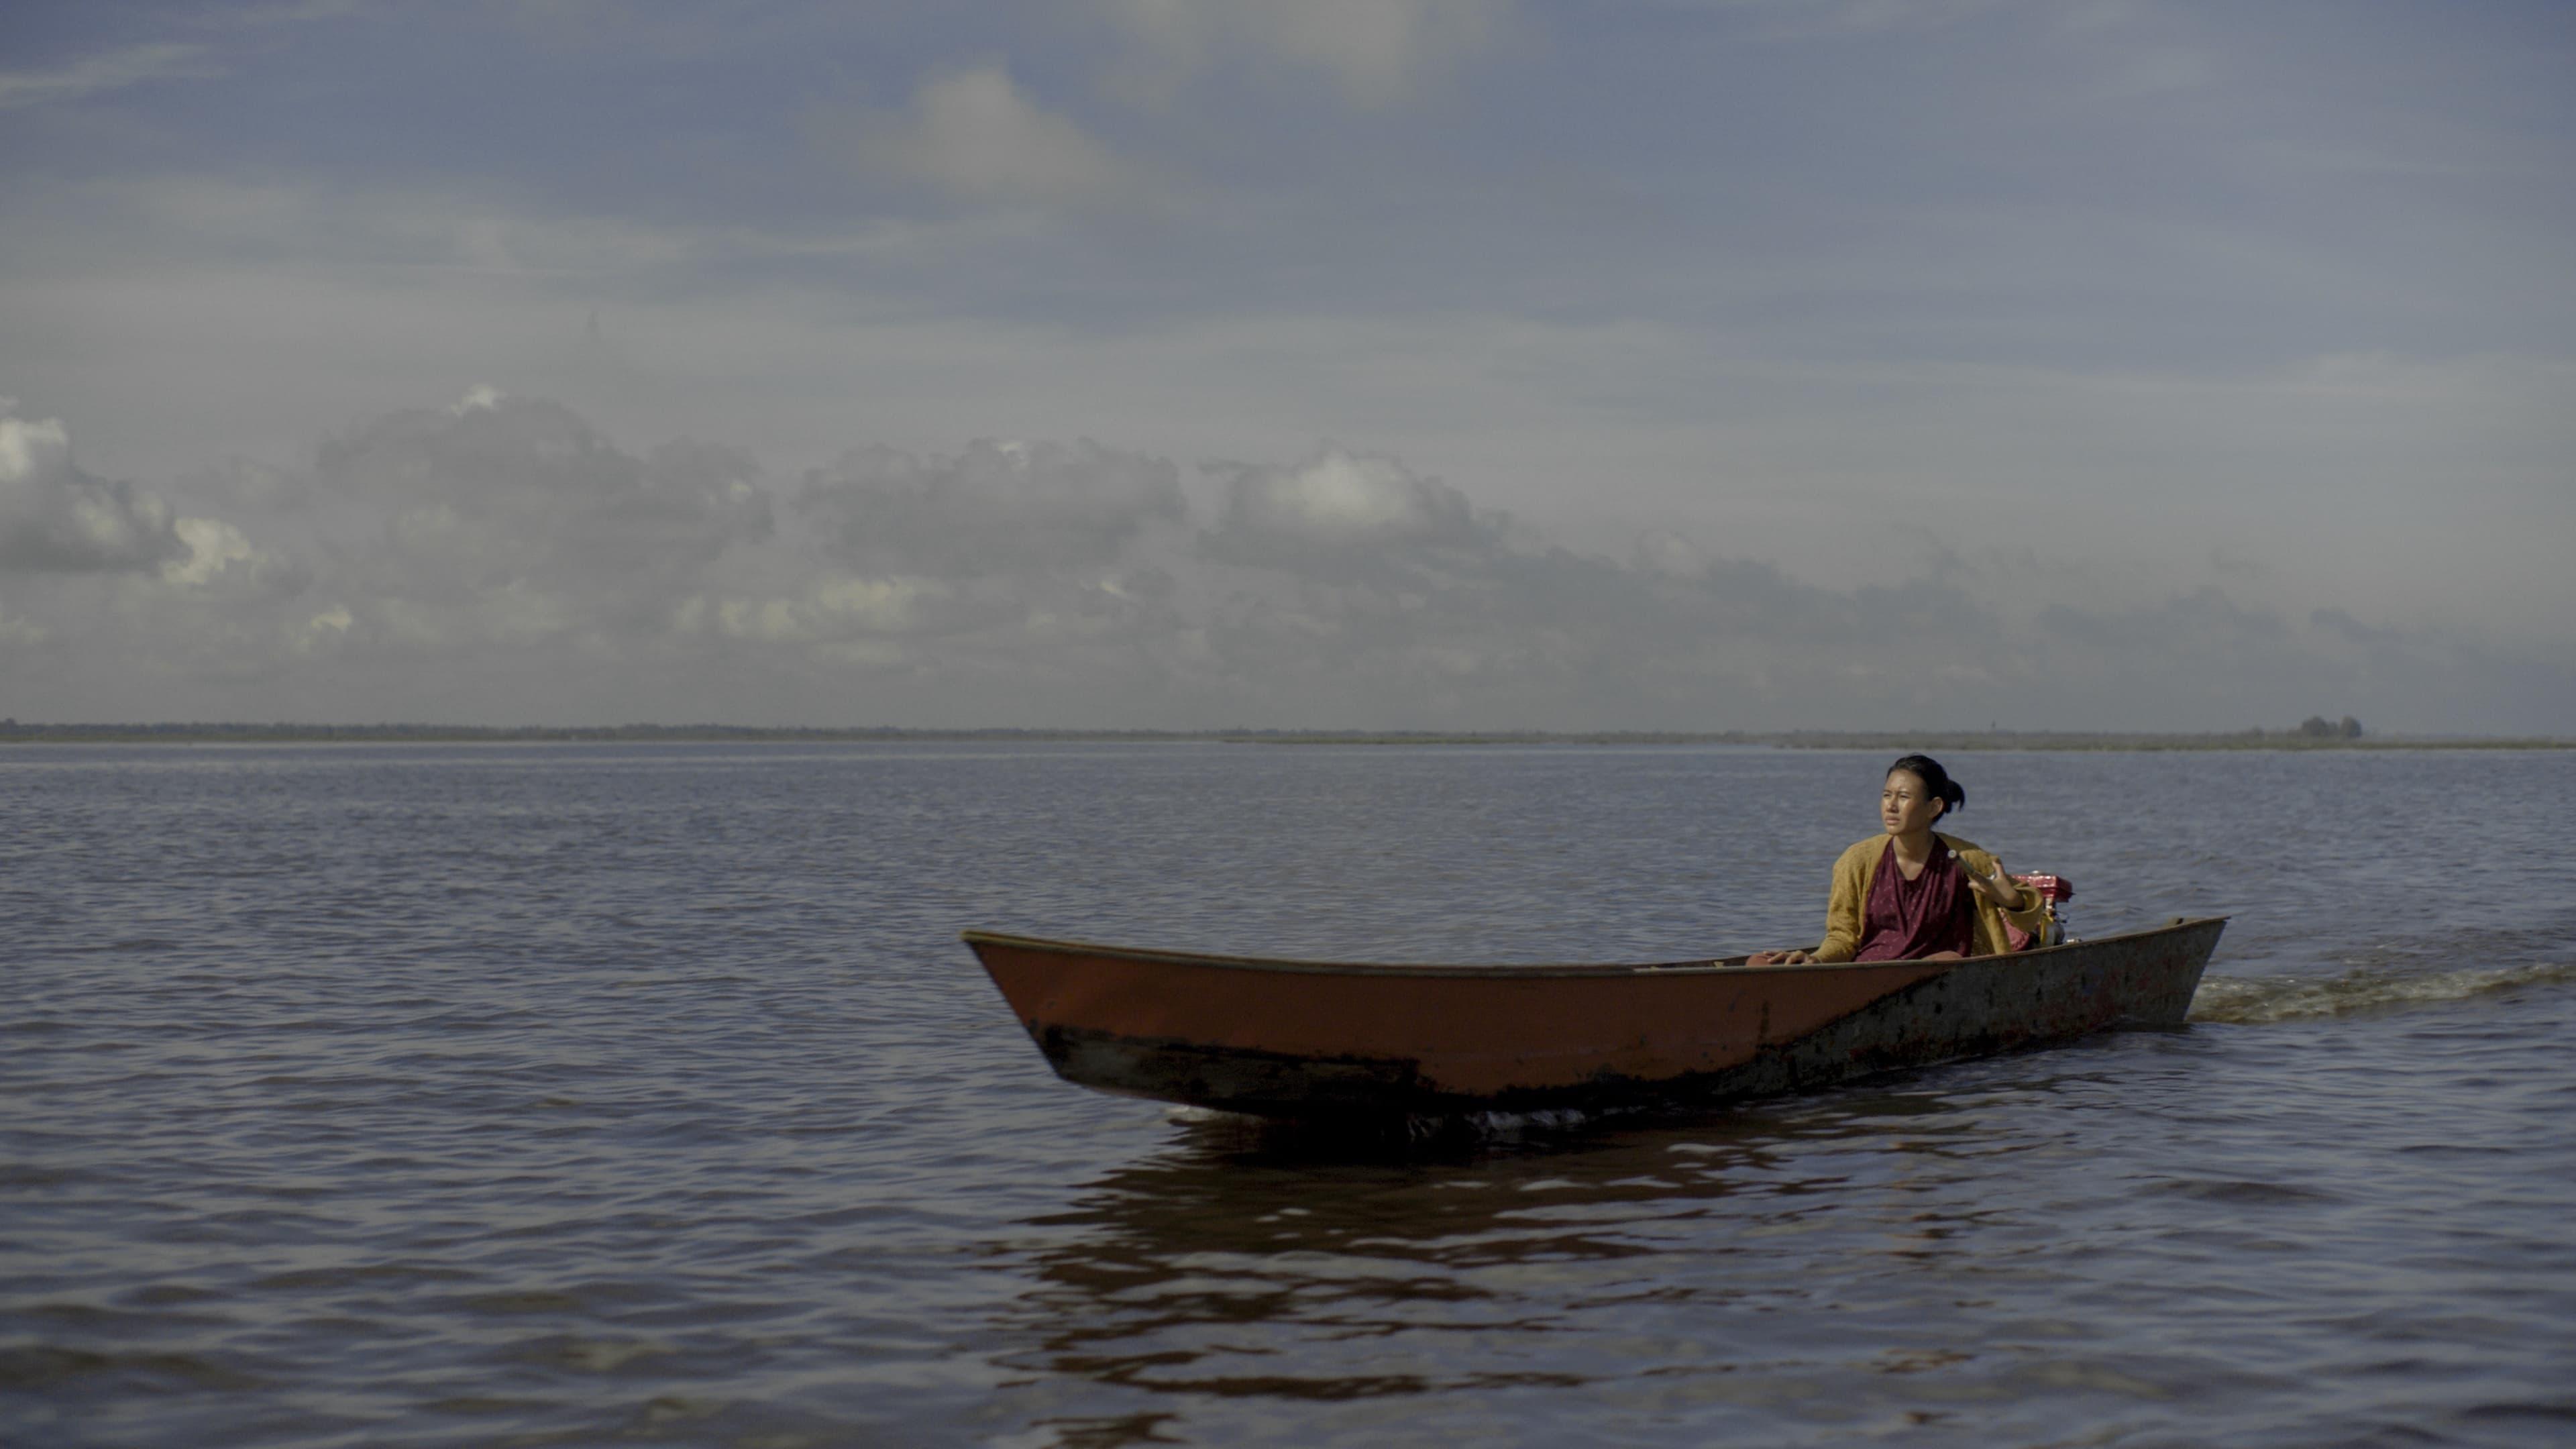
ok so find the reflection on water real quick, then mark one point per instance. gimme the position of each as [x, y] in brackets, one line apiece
[1269, 1262]
[2004, 1251]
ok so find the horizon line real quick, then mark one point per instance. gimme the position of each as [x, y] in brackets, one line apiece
[288, 731]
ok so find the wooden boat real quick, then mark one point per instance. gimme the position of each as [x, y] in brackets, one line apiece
[1330, 1039]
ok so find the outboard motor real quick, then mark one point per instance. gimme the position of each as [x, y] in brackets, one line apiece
[2055, 891]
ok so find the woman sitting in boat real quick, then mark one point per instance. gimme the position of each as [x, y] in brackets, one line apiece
[1913, 894]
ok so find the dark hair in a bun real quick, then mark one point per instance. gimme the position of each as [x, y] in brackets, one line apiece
[1935, 780]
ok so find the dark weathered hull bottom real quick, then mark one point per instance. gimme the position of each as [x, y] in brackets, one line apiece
[1980, 1007]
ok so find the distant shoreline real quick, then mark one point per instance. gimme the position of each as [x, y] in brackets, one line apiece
[12, 732]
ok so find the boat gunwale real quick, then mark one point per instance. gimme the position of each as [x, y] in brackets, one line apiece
[1702, 966]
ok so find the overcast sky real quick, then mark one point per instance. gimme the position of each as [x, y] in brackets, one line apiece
[2184, 364]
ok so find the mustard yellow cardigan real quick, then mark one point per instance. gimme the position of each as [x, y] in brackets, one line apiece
[1858, 868]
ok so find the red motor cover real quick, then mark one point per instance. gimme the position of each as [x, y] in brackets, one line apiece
[2053, 889]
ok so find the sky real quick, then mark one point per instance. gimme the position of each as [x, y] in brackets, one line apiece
[1367, 364]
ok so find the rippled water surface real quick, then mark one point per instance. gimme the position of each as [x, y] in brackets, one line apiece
[579, 1095]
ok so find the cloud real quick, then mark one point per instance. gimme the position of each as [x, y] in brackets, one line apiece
[286, 12]
[2190, 623]
[55, 518]
[975, 136]
[834, 609]
[515, 518]
[452, 231]
[106, 71]
[1337, 512]
[1377, 52]
[1357, 585]
[996, 508]
[1348, 584]
[500, 559]
[237, 484]
[214, 546]
[1788, 19]
[2351, 630]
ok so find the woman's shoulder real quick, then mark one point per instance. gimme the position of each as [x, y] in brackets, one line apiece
[1959, 846]
[1861, 852]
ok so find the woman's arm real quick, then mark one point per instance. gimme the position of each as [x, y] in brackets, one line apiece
[1843, 908]
[2005, 893]
[2024, 907]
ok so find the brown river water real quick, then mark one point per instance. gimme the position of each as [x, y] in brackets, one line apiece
[571, 1095]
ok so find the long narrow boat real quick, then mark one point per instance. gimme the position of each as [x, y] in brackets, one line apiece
[1331, 1039]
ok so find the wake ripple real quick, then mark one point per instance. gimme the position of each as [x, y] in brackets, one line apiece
[2252, 1000]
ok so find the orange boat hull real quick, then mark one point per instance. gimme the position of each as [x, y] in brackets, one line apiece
[1308, 1039]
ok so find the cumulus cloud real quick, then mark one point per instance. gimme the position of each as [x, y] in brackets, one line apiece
[238, 483]
[1008, 561]
[214, 546]
[500, 559]
[56, 518]
[832, 609]
[997, 507]
[975, 136]
[496, 549]
[1338, 501]
[1357, 584]
[516, 517]
[1349, 574]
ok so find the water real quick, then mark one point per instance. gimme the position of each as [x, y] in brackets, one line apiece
[576, 1095]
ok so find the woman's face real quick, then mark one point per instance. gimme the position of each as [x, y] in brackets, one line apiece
[1904, 806]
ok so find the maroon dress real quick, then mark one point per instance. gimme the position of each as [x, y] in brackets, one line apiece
[1907, 920]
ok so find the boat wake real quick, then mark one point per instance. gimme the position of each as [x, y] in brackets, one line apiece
[2253, 1000]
